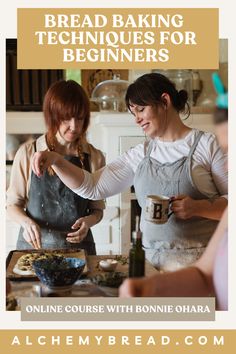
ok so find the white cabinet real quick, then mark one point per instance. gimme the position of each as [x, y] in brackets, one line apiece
[12, 231]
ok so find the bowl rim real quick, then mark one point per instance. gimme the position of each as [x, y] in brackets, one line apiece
[36, 263]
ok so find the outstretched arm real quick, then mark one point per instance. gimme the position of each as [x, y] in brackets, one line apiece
[109, 180]
[71, 175]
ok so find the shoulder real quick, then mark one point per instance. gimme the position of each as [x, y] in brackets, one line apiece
[208, 138]
[41, 143]
[27, 149]
[208, 148]
[22, 161]
[209, 143]
[206, 142]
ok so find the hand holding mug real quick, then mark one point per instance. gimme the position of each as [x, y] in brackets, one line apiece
[183, 206]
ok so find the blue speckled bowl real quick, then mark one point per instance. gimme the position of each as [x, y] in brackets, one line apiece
[58, 272]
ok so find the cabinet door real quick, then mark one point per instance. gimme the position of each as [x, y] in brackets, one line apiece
[25, 89]
[12, 231]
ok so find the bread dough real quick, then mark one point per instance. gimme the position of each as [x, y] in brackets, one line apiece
[24, 264]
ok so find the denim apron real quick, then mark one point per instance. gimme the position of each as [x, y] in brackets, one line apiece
[55, 208]
[177, 243]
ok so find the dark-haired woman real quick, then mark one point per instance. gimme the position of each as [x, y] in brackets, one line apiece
[50, 214]
[209, 275]
[177, 162]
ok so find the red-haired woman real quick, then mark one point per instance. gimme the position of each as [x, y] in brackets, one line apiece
[50, 214]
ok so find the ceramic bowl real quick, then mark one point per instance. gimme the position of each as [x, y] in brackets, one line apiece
[108, 265]
[58, 272]
[111, 280]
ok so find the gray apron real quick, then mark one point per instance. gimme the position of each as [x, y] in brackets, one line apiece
[55, 208]
[178, 242]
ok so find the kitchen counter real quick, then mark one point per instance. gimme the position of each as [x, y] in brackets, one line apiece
[84, 287]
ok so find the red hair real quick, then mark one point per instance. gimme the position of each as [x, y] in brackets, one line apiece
[65, 100]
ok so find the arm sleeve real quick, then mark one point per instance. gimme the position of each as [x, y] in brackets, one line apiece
[107, 181]
[218, 169]
[97, 162]
[17, 193]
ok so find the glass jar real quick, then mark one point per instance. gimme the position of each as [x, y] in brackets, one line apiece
[182, 80]
[110, 95]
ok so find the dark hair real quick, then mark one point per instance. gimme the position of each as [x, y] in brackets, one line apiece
[65, 100]
[220, 115]
[148, 89]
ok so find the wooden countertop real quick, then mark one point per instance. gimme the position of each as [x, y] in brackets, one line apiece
[123, 266]
[82, 288]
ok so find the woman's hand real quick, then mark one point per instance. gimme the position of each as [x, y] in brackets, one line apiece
[132, 287]
[139, 287]
[82, 226]
[32, 233]
[183, 206]
[42, 160]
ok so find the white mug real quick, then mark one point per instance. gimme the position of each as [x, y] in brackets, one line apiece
[157, 209]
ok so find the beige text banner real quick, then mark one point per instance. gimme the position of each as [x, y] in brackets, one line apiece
[118, 38]
[117, 309]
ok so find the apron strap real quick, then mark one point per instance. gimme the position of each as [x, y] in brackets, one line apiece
[193, 147]
[149, 148]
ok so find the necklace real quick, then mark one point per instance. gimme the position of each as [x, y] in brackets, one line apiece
[52, 143]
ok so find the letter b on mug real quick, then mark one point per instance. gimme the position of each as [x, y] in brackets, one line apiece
[157, 209]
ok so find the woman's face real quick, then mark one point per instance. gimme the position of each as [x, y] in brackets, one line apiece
[71, 129]
[150, 119]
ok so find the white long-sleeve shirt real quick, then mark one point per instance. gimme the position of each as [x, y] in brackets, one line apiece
[208, 170]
